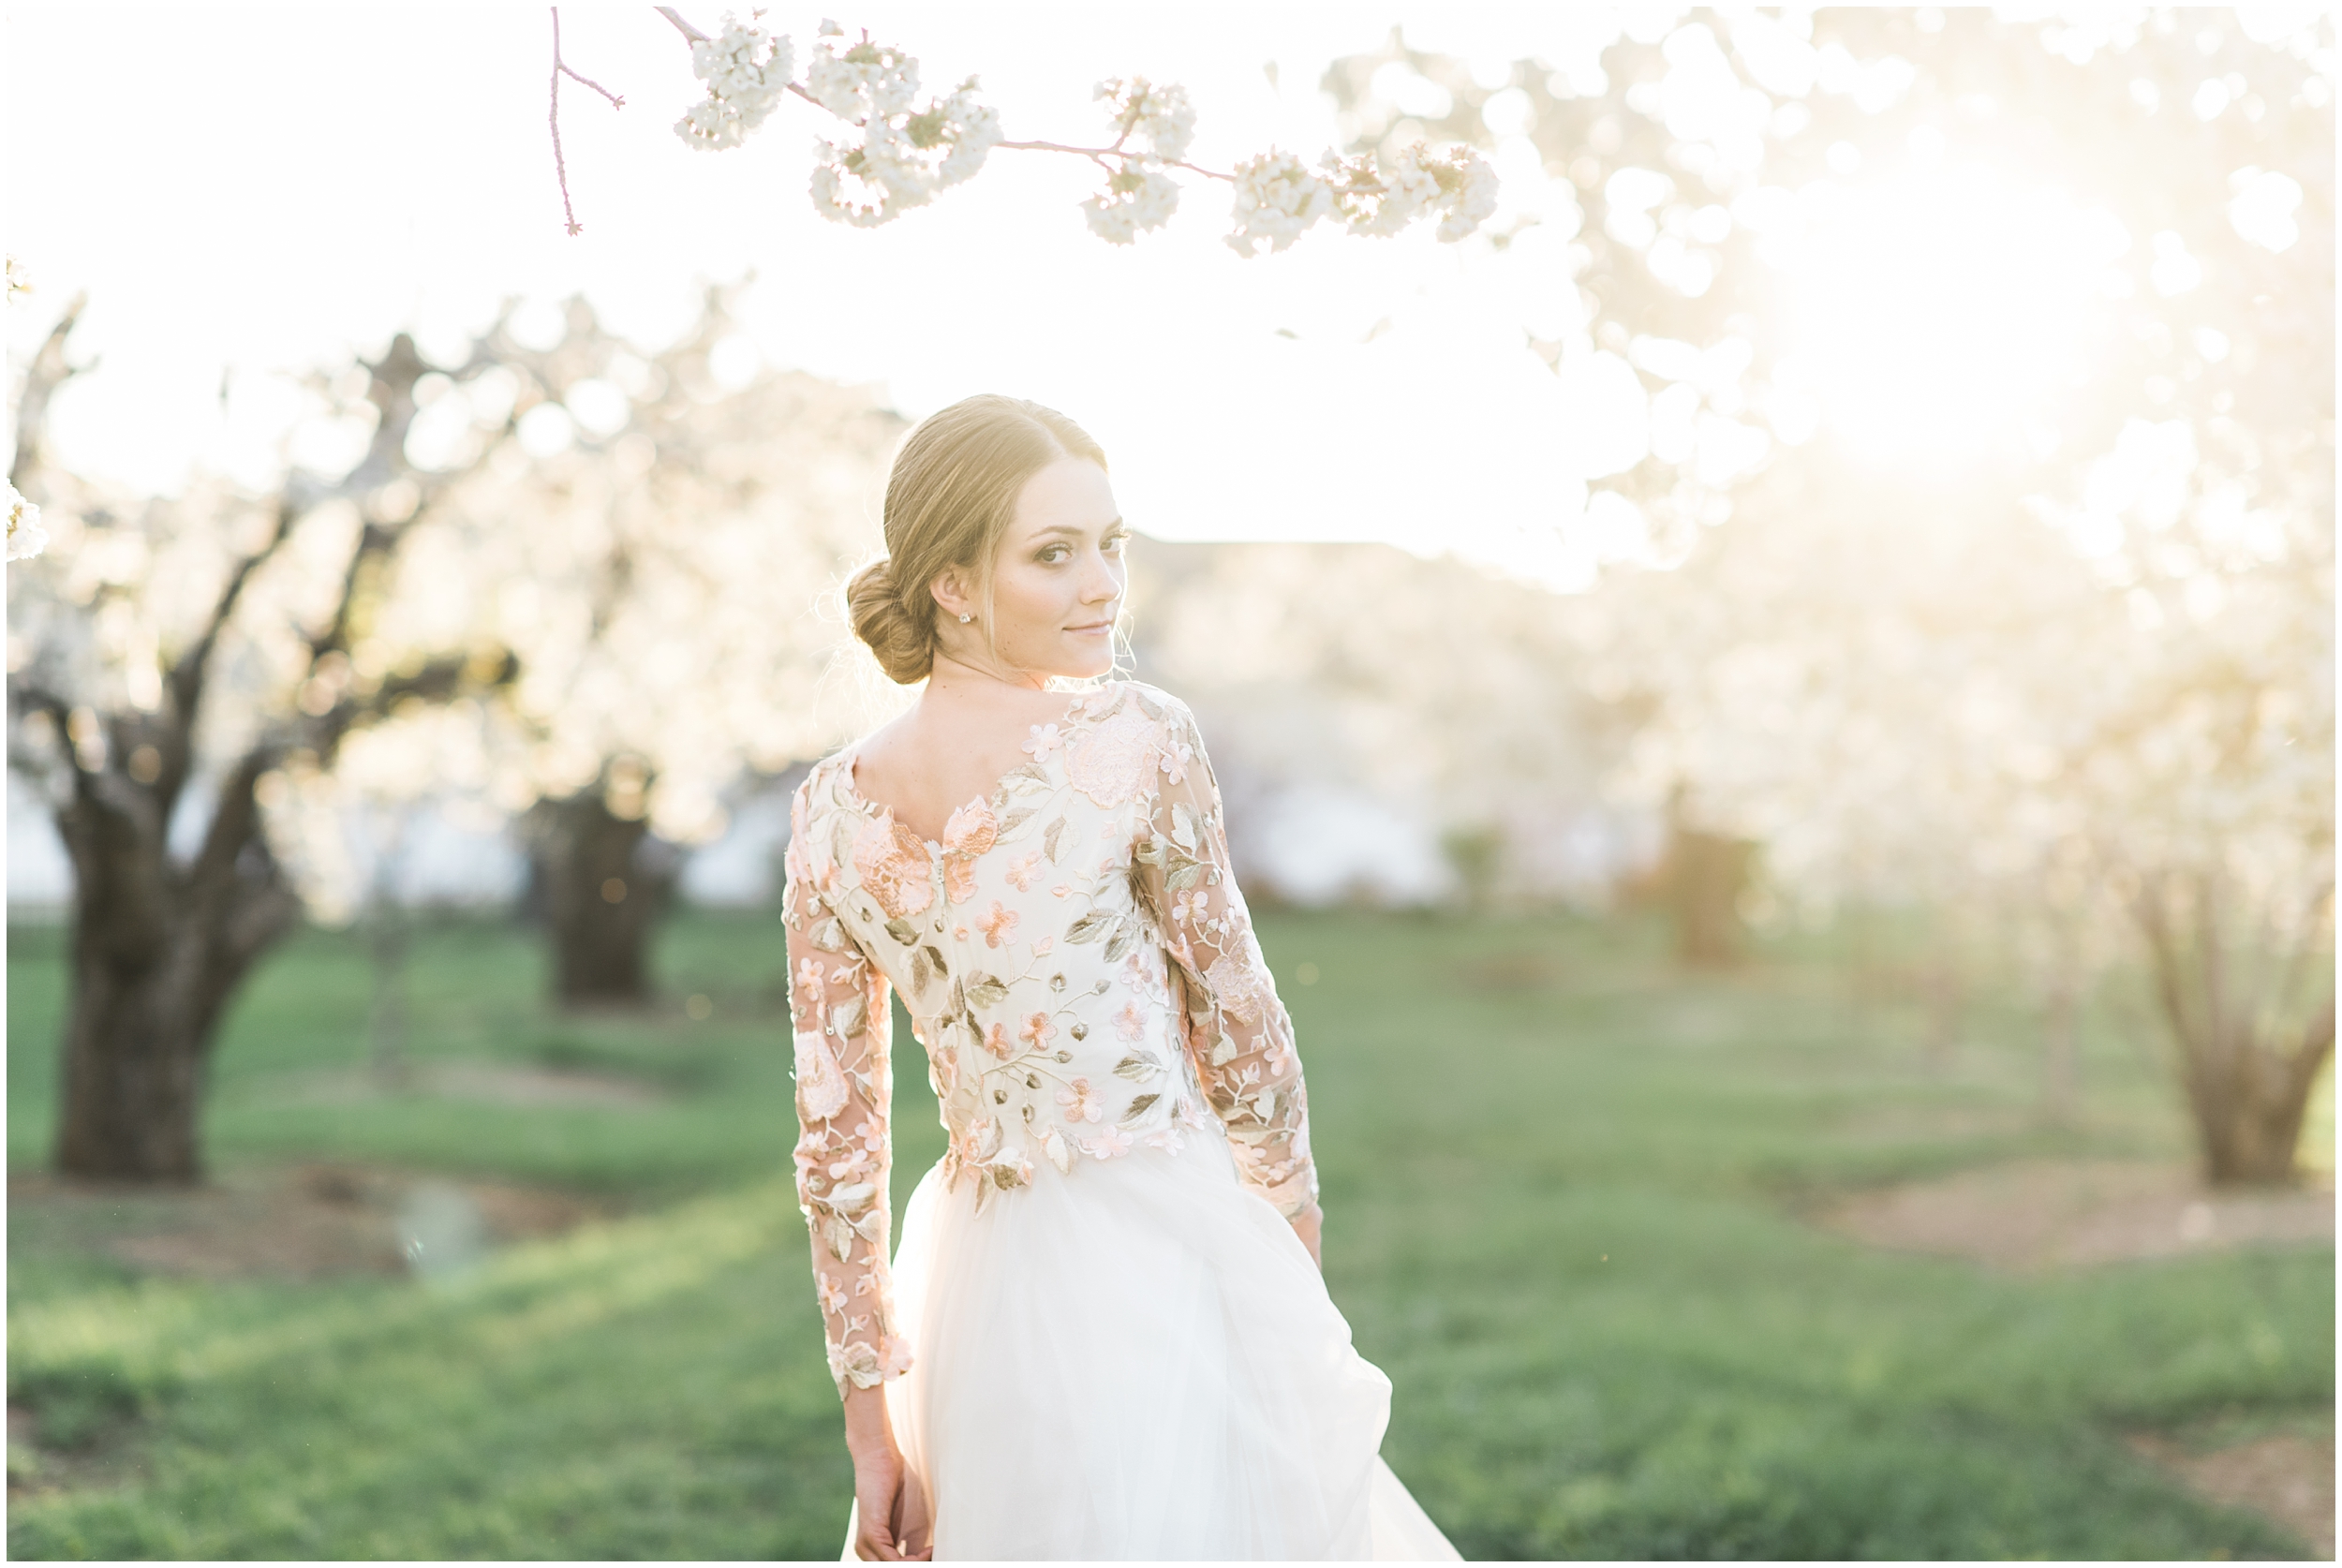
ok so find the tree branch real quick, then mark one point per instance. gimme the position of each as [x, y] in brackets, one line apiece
[552, 116]
[49, 371]
[681, 27]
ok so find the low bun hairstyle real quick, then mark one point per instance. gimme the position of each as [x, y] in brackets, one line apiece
[950, 495]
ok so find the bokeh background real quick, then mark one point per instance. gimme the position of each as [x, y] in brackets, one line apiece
[1775, 703]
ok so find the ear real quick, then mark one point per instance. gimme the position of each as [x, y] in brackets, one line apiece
[952, 593]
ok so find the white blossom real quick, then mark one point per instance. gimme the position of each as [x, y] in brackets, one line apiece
[20, 281]
[1159, 119]
[1467, 192]
[866, 78]
[747, 70]
[1134, 199]
[1457, 186]
[905, 153]
[1276, 199]
[25, 535]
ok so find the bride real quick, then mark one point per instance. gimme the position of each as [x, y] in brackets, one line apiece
[1104, 1334]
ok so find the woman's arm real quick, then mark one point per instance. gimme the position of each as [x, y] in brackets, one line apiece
[838, 1013]
[1240, 1035]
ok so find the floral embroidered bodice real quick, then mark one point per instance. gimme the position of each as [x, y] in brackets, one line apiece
[1078, 964]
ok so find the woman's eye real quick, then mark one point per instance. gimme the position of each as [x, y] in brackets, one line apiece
[1053, 555]
[1114, 545]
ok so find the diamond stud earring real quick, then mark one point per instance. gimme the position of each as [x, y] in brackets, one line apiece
[965, 618]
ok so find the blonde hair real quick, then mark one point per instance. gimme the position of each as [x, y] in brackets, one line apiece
[950, 495]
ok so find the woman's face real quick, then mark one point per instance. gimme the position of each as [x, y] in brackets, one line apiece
[1056, 583]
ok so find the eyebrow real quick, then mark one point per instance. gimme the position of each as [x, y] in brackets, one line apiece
[1072, 528]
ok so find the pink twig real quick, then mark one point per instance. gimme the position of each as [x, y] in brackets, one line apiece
[1099, 154]
[560, 167]
[682, 26]
[1096, 155]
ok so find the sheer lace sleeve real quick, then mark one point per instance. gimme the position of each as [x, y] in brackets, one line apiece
[838, 1011]
[1238, 1034]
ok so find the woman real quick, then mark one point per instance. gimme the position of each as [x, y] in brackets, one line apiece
[1104, 1334]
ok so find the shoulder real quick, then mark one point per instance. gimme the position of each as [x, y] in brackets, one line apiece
[819, 796]
[819, 785]
[1150, 701]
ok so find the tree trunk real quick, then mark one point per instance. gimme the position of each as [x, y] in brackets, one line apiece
[387, 943]
[2248, 1088]
[158, 950]
[2061, 1064]
[1706, 875]
[601, 881]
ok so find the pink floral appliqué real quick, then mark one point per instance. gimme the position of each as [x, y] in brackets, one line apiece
[1047, 739]
[894, 866]
[1081, 1102]
[1108, 1144]
[1023, 869]
[970, 831]
[1111, 762]
[1038, 1030]
[998, 924]
[1243, 992]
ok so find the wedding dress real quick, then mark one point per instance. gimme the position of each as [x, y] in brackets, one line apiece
[1099, 1338]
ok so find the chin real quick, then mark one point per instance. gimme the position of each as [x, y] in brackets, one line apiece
[1083, 664]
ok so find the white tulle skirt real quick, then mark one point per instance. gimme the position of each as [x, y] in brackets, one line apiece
[1137, 1361]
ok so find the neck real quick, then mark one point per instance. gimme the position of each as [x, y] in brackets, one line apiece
[960, 675]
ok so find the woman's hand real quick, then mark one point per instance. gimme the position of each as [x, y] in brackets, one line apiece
[892, 1519]
[1305, 1226]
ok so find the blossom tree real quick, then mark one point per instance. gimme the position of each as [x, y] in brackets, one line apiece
[654, 546]
[1988, 567]
[192, 662]
[886, 150]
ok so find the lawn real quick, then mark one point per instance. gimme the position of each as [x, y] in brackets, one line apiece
[1564, 1186]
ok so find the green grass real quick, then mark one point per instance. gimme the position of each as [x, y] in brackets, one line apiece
[1561, 1181]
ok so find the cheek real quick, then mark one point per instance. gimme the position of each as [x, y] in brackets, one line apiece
[1029, 596]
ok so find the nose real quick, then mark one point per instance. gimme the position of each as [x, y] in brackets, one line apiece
[1102, 582]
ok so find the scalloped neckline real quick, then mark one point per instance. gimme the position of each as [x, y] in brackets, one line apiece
[990, 800]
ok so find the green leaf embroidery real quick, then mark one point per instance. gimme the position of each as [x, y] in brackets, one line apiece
[1053, 838]
[903, 931]
[987, 990]
[1137, 1069]
[1092, 927]
[850, 1019]
[920, 973]
[935, 956]
[1125, 935]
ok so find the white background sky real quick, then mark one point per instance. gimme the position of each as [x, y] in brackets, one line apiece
[258, 186]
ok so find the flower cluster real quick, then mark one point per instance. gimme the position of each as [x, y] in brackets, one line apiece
[746, 69]
[1134, 199]
[906, 154]
[25, 535]
[1159, 119]
[1277, 197]
[20, 281]
[1153, 127]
